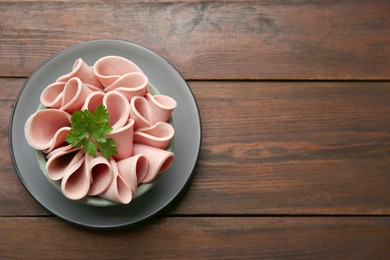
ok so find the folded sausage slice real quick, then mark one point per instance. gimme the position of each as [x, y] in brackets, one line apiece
[51, 96]
[151, 110]
[133, 170]
[140, 112]
[84, 72]
[45, 129]
[118, 191]
[124, 140]
[118, 108]
[93, 100]
[161, 107]
[159, 135]
[62, 161]
[159, 160]
[75, 184]
[131, 84]
[74, 95]
[110, 68]
[101, 174]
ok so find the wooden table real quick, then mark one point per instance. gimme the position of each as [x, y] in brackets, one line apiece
[294, 98]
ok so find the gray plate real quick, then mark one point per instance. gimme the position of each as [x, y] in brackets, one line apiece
[187, 135]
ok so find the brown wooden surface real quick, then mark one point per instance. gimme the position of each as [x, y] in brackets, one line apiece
[294, 100]
[211, 40]
[200, 238]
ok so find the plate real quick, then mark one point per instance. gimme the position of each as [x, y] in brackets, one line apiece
[187, 135]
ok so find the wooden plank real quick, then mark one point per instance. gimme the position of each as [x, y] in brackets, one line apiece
[211, 40]
[15, 199]
[200, 238]
[268, 148]
[291, 148]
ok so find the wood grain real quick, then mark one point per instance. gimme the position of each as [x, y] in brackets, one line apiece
[14, 198]
[200, 238]
[268, 148]
[294, 100]
[211, 40]
[292, 148]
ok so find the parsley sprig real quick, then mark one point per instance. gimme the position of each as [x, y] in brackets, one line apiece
[89, 131]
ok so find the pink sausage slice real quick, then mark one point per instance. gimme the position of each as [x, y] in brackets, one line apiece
[101, 174]
[44, 127]
[60, 149]
[131, 85]
[84, 72]
[159, 135]
[75, 184]
[62, 161]
[109, 68]
[140, 112]
[93, 100]
[51, 96]
[74, 96]
[159, 160]
[161, 107]
[133, 170]
[58, 139]
[151, 110]
[118, 191]
[118, 108]
[124, 140]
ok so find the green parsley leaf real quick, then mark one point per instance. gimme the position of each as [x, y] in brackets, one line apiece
[101, 115]
[107, 148]
[89, 131]
[90, 148]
